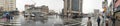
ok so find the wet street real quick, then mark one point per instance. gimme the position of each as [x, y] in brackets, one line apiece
[85, 20]
[52, 20]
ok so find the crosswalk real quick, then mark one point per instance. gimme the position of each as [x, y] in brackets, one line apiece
[13, 22]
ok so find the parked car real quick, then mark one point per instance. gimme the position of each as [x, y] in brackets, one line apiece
[32, 15]
[25, 15]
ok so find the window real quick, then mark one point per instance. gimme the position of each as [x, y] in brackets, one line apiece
[75, 5]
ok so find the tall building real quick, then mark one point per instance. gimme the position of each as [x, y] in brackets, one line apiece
[96, 10]
[96, 13]
[73, 7]
[8, 5]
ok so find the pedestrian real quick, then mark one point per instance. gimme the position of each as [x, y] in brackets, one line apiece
[8, 17]
[107, 21]
[113, 21]
[110, 20]
[108, 16]
[98, 20]
[101, 18]
[89, 23]
[11, 16]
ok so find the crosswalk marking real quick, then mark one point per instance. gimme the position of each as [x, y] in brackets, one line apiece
[16, 24]
[12, 22]
[1, 23]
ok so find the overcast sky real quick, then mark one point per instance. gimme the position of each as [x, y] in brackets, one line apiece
[57, 5]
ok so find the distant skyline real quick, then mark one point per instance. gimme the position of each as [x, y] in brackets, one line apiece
[58, 5]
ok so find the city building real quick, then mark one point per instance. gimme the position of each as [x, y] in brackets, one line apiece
[96, 13]
[8, 5]
[72, 7]
[45, 9]
[52, 12]
[36, 11]
[28, 8]
[40, 9]
[117, 9]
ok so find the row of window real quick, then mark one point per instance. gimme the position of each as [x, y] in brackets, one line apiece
[75, 5]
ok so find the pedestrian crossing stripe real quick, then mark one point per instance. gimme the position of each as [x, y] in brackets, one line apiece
[14, 22]
[7, 24]
[11, 24]
[1, 23]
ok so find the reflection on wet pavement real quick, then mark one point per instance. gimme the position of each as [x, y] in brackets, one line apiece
[84, 21]
[52, 19]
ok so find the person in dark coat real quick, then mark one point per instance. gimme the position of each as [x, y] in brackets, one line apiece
[8, 16]
[98, 21]
[113, 21]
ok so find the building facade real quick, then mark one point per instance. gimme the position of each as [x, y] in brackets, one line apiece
[28, 8]
[8, 5]
[117, 9]
[32, 9]
[45, 9]
[96, 13]
[72, 7]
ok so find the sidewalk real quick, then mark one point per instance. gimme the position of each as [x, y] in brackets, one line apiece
[117, 23]
[70, 22]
